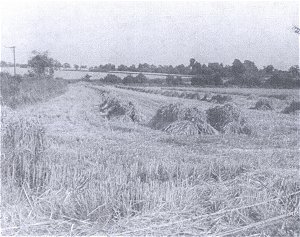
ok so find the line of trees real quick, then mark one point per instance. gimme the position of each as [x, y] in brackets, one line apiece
[167, 69]
[58, 64]
[9, 64]
[244, 74]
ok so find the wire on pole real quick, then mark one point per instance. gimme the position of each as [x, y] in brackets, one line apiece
[14, 54]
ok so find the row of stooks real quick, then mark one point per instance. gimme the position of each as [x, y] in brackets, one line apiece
[180, 119]
[261, 104]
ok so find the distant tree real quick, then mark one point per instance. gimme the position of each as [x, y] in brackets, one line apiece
[111, 67]
[196, 69]
[129, 79]
[3, 64]
[216, 68]
[207, 80]
[269, 69]
[173, 81]
[57, 64]
[103, 68]
[237, 67]
[66, 65]
[170, 80]
[198, 80]
[217, 80]
[23, 65]
[181, 69]
[113, 79]
[42, 64]
[250, 66]
[144, 67]
[296, 29]
[76, 66]
[206, 70]
[248, 79]
[132, 68]
[283, 79]
[192, 62]
[141, 78]
[294, 70]
[122, 68]
[83, 66]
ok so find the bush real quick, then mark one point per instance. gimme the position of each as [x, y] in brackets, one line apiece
[217, 80]
[283, 80]
[113, 79]
[203, 80]
[173, 81]
[198, 80]
[141, 78]
[129, 79]
[157, 81]
[246, 80]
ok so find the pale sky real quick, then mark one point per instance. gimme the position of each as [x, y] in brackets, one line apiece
[96, 32]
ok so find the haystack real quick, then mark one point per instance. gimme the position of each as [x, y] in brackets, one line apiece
[165, 93]
[228, 119]
[294, 107]
[220, 99]
[169, 93]
[175, 94]
[114, 108]
[251, 97]
[206, 97]
[193, 96]
[181, 95]
[177, 119]
[264, 104]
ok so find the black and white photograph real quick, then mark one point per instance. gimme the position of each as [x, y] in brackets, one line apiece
[150, 118]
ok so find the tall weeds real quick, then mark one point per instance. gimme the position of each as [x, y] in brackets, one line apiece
[18, 91]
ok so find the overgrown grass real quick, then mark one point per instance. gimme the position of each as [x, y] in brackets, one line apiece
[18, 91]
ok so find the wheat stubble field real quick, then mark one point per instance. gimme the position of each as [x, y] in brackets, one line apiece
[132, 161]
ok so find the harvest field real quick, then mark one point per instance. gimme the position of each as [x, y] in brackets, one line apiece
[116, 160]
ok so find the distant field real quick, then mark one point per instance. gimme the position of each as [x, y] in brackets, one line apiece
[102, 169]
[79, 74]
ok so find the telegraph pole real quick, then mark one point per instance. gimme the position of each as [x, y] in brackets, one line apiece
[14, 52]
